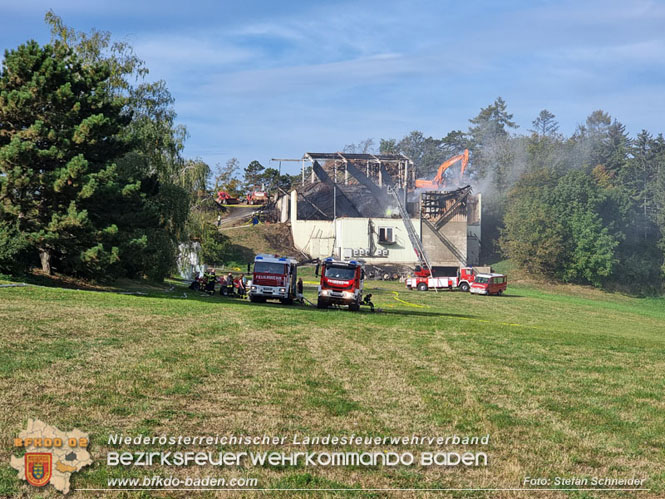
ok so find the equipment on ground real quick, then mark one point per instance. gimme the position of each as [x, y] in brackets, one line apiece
[438, 181]
[274, 277]
[341, 284]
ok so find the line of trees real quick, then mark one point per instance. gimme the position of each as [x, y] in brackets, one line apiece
[588, 208]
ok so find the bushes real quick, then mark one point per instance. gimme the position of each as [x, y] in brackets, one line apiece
[553, 227]
[13, 249]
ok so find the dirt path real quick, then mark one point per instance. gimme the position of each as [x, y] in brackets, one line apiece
[237, 214]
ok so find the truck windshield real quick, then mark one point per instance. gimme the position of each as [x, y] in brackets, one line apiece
[482, 280]
[343, 273]
[270, 268]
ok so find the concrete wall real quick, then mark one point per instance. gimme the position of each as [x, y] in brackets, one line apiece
[473, 244]
[323, 238]
[473, 230]
[438, 252]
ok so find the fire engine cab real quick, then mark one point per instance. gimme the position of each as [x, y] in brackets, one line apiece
[274, 277]
[341, 284]
[423, 280]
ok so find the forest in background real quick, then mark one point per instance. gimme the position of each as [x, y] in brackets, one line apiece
[586, 208]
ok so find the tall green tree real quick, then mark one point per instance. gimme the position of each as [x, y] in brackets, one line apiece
[545, 124]
[168, 183]
[534, 236]
[60, 133]
[489, 139]
[252, 174]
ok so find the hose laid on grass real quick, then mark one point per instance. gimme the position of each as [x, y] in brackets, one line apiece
[408, 303]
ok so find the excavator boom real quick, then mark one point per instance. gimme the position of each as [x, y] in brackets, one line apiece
[438, 180]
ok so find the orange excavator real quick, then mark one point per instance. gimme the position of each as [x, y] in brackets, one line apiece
[438, 181]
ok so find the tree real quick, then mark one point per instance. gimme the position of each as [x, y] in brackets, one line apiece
[166, 183]
[59, 135]
[592, 255]
[427, 153]
[455, 142]
[14, 248]
[271, 179]
[491, 122]
[578, 247]
[98, 47]
[195, 176]
[388, 146]
[545, 125]
[363, 147]
[252, 174]
[534, 237]
[489, 141]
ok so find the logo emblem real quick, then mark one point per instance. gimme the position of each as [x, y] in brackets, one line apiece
[38, 468]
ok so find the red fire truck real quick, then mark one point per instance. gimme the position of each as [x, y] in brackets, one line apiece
[257, 197]
[489, 284]
[224, 197]
[422, 281]
[274, 277]
[341, 284]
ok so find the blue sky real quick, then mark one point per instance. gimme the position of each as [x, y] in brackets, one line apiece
[263, 79]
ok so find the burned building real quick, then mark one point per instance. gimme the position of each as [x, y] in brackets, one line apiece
[349, 206]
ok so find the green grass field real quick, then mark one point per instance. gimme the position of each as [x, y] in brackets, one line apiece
[566, 381]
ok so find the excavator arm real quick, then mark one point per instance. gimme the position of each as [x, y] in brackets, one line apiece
[438, 180]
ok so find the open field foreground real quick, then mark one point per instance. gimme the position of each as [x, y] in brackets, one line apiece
[567, 382]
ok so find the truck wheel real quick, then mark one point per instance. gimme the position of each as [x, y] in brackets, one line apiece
[321, 304]
[354, 307]
[500, 292]
[257, 299]
[422, 287]
[464, 286]
[286, 301]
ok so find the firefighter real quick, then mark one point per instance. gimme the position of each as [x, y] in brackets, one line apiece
[195, 285]
[229, 284]
[242, 286]
[299, 286]
[368, 301]
[210, 279]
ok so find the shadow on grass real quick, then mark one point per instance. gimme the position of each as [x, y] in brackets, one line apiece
[187, 294]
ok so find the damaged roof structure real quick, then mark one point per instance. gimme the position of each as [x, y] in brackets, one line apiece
[352, 185]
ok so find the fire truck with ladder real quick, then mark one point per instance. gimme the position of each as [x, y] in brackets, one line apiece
[341, 284]
[423, 280]
[274, 277]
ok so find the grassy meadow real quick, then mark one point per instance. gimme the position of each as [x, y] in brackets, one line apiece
[567, 381]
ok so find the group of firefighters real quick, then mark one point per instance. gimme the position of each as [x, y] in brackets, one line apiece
[229, 285]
